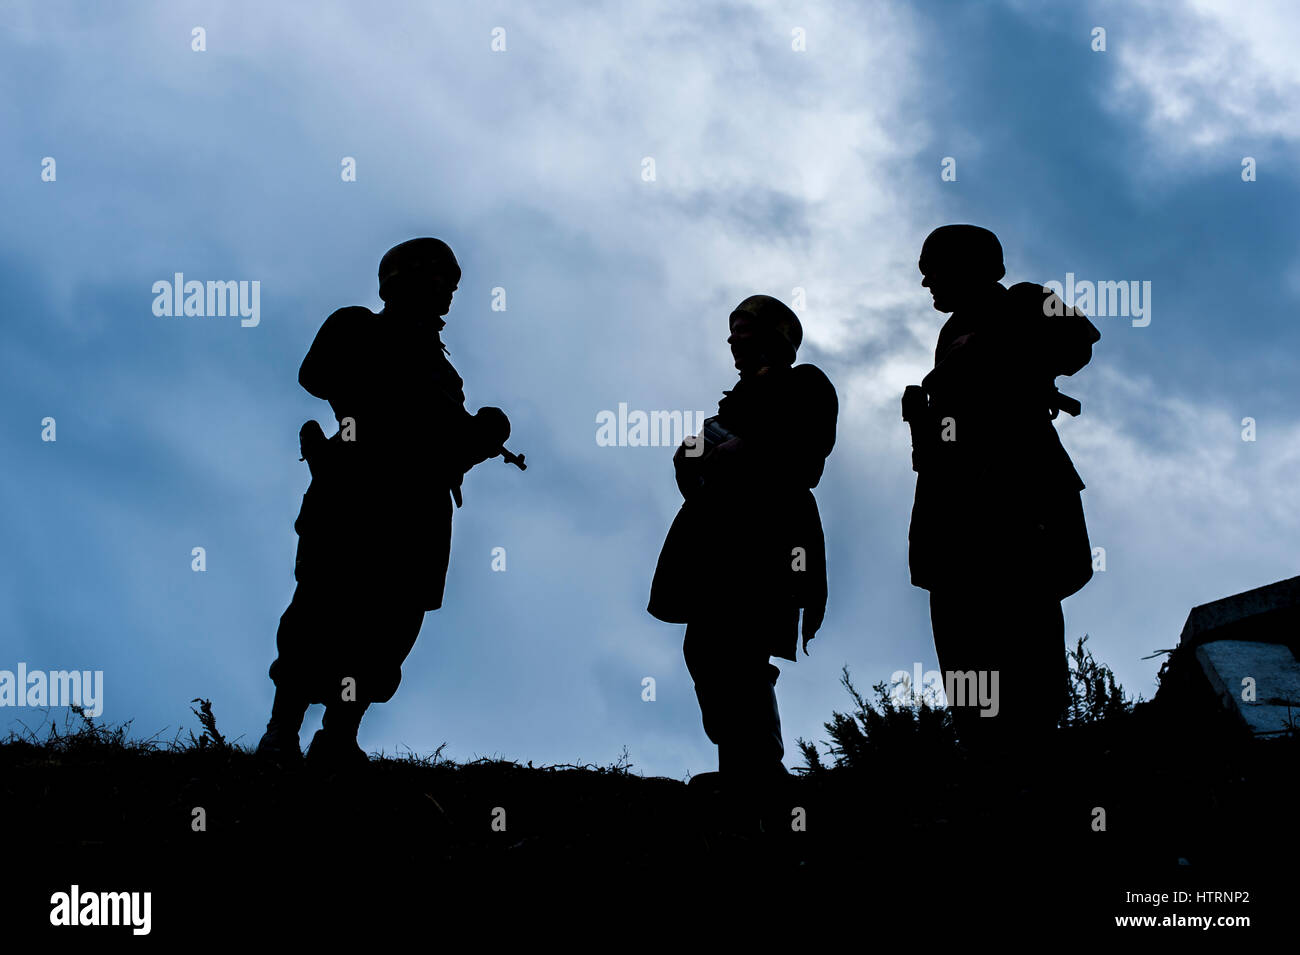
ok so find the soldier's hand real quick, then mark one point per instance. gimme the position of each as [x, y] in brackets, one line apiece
[812, 621]
[493, 428]
[722, 458]
[914, 402]
[686, 465]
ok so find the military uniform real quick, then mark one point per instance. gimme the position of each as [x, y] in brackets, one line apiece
[997, 533]
[375, 524]
[745, 553]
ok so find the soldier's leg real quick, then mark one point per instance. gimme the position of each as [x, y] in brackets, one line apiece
[342, 720]
[706, 663]
[1013, 644]
[371, 632]
[288, 709]
[756, 748]
[341, 640]
[736, 688]
[764, 720]
[1056, 667]
[1032, 691]
[395, 636]
[281, 739]
[1036, 666]
[293, 674]
[751, 749]
[335, 743]
[962, 635]
[376, 637]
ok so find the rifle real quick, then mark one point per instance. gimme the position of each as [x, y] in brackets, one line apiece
[920, 420]
[311, 437]
[510, 457]
[507, 456]
[1058, 402]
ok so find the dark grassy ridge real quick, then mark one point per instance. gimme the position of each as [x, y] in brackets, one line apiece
[908, 832]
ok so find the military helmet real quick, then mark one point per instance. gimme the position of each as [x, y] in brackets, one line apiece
[782, 325]
[415, 258]
[966, 249]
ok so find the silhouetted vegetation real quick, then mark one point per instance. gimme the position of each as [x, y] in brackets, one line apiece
[1094, 694]
[911, 722]
[87, 803]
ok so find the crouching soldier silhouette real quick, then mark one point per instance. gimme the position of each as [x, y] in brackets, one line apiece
[745, 553]
[997, 534]
[375, 525]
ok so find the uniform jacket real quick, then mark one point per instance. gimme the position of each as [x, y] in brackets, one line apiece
[378, 510]
[750, 541]
[998, 502]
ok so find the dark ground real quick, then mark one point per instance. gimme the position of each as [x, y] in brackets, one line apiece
[924, 844]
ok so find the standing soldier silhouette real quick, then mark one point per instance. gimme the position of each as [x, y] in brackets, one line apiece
[746, 551]
[375, 525]
[997, 535]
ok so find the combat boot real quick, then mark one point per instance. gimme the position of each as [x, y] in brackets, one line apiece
[334, 747]
[279, 744]
[332, 751]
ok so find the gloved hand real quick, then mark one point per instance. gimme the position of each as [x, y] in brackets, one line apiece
[493, 427]
[686, 464]
[489, 428]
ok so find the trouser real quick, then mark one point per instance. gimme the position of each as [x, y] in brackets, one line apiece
[1014, 644]
[736, 687]
[341, 643]
[342, 719]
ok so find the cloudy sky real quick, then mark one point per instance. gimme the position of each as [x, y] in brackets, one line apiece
[775, 168]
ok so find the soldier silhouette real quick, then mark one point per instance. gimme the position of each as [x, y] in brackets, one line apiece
[746, 550]
[375, 525]
[997, 534]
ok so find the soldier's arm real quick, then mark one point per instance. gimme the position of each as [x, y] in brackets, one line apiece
[965, 364]
[992, 366]
[792, 449]
[483, 434]
[820, 413]
[321, 372]
[686, 466]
